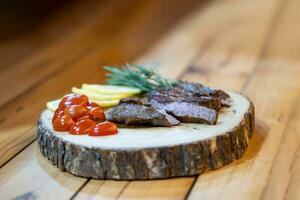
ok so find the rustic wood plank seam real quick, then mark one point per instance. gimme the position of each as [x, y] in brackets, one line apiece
[295, 154]
[197, 69]
[17, 153]
[285, 131]
[8, 63]
[228, 57]
[82, 186]
[191, 187]
[269, 37]
[123, 189]
[204, 48]
[291, 177]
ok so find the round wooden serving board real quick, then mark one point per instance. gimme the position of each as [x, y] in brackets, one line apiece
[152, 152]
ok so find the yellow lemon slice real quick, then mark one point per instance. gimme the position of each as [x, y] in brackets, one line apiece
[110, 89]
[98, 96]
[106, 103]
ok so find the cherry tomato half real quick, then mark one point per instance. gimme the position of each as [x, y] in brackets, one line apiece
[82, 127]
[58, 113]
[75, 111]
[73, 99]
[104, 129]
[97, 113]
[63, 123]
[87, 116]
[92, 105]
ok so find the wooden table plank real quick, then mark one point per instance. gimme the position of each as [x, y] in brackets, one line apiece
[283, 181]
[24, 112]
[292, 191]
[206, 68]
[57, 25]
[125, 16]
[29, 180]
[32, 69]
[275, 106]
[98, 189]
[250, 174]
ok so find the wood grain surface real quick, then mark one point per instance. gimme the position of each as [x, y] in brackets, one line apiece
[247, 46]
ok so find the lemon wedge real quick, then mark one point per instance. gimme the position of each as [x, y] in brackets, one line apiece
[53, 105]
[98, 96]
[111, 89]
[106, 103]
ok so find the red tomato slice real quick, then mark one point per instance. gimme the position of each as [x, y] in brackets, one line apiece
[104, 129]
[97, 113]
[73, 99]
[87, 116]
[82, 127]
[57, 113]
[92, 105]
[75, 111]
[63, 123]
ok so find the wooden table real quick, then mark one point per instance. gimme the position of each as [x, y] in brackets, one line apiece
[248, 46]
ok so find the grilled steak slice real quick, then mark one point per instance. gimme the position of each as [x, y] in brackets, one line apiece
[178, 94]
[135, 114]
[132, 101]
[169, 117]
[188, 112]
[200, 90]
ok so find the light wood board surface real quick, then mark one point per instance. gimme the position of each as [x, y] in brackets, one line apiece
[248, 46]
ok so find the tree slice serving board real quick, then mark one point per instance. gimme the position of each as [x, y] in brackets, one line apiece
[152, 152]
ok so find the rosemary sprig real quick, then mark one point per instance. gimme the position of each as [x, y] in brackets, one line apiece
[146, 78]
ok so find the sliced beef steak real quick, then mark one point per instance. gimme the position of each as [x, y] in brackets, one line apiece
[131, 101]
[191, 93]
[188, 112]
[200, 90]
[178, 95]
[136, 114]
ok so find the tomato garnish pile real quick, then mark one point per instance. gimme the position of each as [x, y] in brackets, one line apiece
[78, 116]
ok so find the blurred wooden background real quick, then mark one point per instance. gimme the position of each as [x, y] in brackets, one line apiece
[247, 46]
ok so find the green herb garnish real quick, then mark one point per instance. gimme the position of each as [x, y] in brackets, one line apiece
[146, 78]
